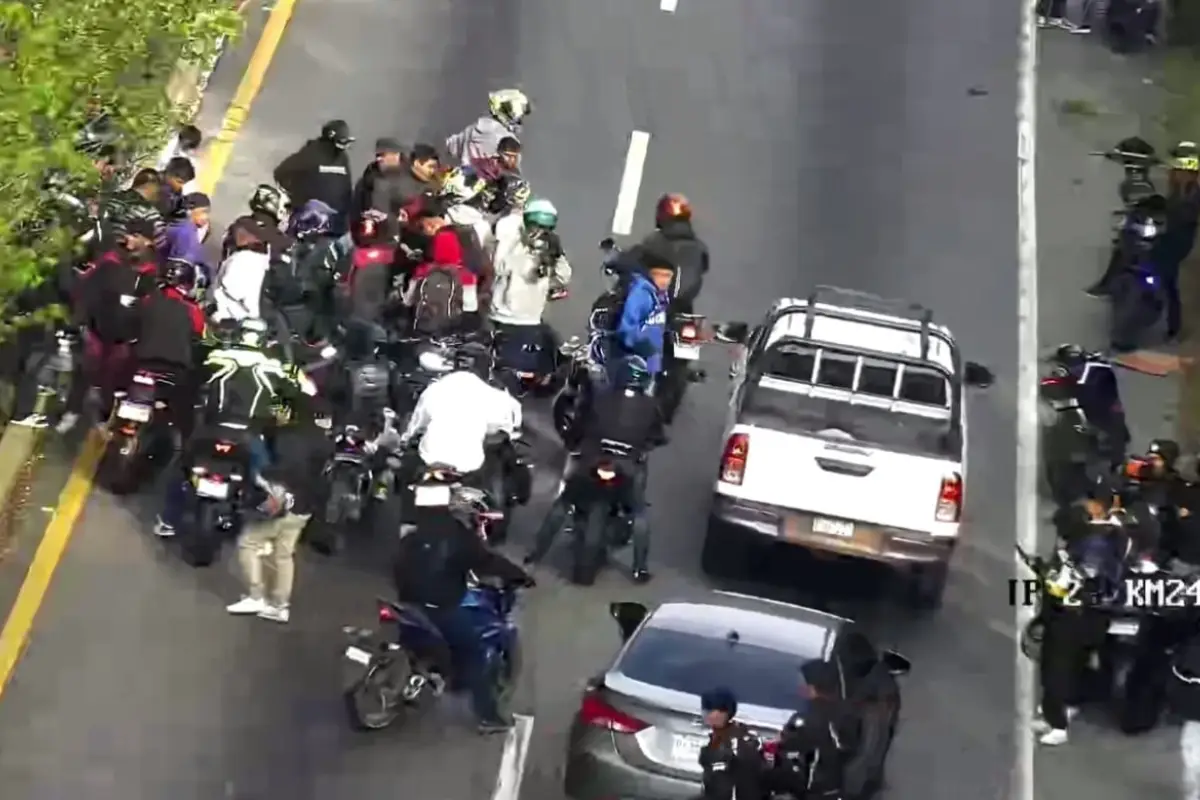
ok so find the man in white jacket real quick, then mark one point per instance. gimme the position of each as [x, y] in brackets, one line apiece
[237, 290]
[529, 264]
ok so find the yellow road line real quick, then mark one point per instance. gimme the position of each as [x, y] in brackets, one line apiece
[74, 495]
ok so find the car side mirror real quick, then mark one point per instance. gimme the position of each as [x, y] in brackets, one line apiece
[607, 243]
[731, 332]
[895, 663]
[977, 375]
[628, 616]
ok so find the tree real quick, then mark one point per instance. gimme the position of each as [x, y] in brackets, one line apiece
[63, 63]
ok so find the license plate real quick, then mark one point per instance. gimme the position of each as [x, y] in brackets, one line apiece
[686, 352]
[1123, 627]
[135, 412]
[426, 496]
[686, 749]
[358, 655]
[833, 527]
[216, 490]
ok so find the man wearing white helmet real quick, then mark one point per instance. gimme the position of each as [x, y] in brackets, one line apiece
[529, 265]
[507, 109]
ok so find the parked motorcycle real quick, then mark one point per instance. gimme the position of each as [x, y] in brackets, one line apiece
[359, 485]
[602, 521]
[139, 439]
[213, 512]
[1136, 293]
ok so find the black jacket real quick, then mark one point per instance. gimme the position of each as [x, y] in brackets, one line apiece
[677, 244]
[631, 418]
[301, 473]
[318, 171]
[109, 292]
[386, 190]
[249, 229]
[810, 757]
[733, 764]
[171, 328]
[1184, 689]
[432, 563]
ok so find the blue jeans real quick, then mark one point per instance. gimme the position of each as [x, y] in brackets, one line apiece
[457, 629]
[176, 494]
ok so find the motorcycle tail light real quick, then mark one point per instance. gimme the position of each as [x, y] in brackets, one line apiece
[387, 613]
[223, 448]
[733, 462]
[949, 505]
[606, 473]
[689, 333]
[199, 471]
[143, 379]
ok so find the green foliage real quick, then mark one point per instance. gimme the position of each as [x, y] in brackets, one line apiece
[62, 63]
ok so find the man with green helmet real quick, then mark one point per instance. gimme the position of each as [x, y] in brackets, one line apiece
[529, 266]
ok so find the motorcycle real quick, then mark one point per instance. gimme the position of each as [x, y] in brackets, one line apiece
[419, 362]
[138, 438]
[217, 484]
[531, 372]
[391, 674]
[687, 332]
[1072, 449]
[1137, 301]
[357, 487]
[607, 523]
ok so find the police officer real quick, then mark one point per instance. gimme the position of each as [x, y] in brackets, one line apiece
[320, 170]
[628, 415]
[809, 759]
[732, 757]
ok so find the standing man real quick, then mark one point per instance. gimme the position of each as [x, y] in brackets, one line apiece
[320, 170]
[289, 492]
[383, 183]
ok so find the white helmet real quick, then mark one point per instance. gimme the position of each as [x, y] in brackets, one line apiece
[509, 107]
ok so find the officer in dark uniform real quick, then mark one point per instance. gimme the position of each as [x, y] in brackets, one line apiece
[732, 759]
[320, 170]
[809, 758]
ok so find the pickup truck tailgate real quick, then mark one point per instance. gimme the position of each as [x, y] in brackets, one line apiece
[842, 480]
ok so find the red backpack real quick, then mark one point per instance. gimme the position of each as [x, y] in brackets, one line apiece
[366, 258]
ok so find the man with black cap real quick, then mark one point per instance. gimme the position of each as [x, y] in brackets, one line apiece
[384, 183]
[320, 170]
[732, 759]
[809, 757]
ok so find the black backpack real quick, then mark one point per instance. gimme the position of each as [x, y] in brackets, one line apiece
[438, 306]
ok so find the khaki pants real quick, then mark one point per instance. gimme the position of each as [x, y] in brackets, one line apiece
[278, 537]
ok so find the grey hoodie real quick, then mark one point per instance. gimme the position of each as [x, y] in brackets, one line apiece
[480, 140]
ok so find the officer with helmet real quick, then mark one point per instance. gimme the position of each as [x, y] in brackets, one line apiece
[628, 414]
[320, 170]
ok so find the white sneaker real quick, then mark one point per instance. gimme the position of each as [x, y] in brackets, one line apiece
[247, 605]
[69, 420]
[274, 613]
[162, 529]
[1053, 737]
[31, 421]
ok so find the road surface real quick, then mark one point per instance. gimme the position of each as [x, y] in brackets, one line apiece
[820, 143]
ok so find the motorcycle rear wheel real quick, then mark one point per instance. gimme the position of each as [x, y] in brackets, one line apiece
[591, 544]
[202, 541]
[120, 472]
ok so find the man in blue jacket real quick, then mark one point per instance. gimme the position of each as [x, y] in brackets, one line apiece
[643, 322]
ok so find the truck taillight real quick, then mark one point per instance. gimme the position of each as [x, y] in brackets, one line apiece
[949, 505]
[733, 461]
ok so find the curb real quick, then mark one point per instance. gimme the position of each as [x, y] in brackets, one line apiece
[185, 88]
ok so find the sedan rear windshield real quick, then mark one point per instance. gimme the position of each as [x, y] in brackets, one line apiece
[693, 664]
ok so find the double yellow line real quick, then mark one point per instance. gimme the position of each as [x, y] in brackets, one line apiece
[19, 623]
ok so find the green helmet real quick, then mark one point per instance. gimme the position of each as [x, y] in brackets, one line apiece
[541, 213]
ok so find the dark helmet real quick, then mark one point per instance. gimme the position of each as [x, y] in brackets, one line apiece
[1166, 449]
[635, 375]
[672, 207]
[475, 358]
[313, 220]
[269, 200]
[226, 332]
[719, 698]
[338, 132]
[178, 272]
[1058, 385]
[1069, 355]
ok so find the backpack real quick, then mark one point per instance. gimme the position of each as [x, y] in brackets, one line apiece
[439, 301]
[366, 258]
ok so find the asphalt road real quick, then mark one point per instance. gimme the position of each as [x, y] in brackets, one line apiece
[1076, 192]
[819, 143]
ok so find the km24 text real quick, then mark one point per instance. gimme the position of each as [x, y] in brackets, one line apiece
[1143, 592]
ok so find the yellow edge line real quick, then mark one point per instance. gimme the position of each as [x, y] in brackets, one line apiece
[74, 495]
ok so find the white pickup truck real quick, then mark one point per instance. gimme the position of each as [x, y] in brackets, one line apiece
[846, 433]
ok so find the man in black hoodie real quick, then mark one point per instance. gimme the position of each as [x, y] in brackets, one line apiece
[732, 758]
[809, 759]
[320, 170]
[675, 241]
